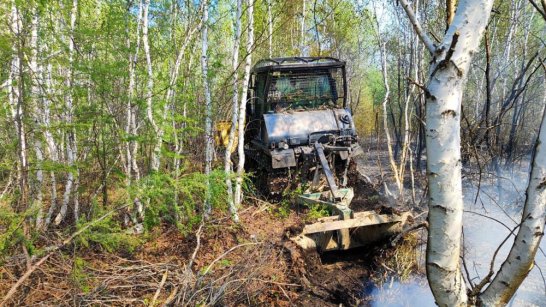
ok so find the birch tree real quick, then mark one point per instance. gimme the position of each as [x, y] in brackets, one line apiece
[520, 260]
[15, 97]
[447, 74]
[193, 27]
[242, 107]
[35, 93]
[71, 150]
[208, 106]
[154, 163]
[269, 28]
[131, 112]
[228, 165]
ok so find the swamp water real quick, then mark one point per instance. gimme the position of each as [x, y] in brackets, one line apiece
[500, 198]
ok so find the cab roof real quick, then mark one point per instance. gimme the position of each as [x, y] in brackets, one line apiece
[296, 63]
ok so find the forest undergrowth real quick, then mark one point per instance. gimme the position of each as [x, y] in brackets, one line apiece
[212, 261]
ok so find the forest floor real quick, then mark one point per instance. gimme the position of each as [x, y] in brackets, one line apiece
[252, 263]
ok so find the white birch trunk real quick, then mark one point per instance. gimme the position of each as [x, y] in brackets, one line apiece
[242, 108]
[521, 257]
[15, 97]
[394, 167]
[228, 165]
[39, 185]
[130, 126]
[447, 78]
[443, 116]
[175, 71]
[383, 52]
[71, 138]
[208, 108]
[50, 141]
[35, 93]
[150, 83]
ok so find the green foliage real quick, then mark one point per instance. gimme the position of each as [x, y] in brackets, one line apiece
[12, 231]
[106, 234]
[78, 275]
[179, 201]
[317, 211]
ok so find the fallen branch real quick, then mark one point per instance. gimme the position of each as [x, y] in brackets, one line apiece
[198, 244]
[224, 254]
[50, 250]
[405, 232]
[156, 295]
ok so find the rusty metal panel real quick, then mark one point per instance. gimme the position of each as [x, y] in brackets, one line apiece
[283, 158]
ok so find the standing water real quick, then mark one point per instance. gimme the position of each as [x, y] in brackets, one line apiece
[486, 223]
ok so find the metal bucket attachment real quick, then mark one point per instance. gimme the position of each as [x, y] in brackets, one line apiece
[364, 228]
[346, 229]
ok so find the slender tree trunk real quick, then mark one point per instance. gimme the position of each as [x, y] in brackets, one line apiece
[383, 53]
[242, 108]
[209, 146]
[443, 115]
[52, 147]
[520, 260]
[71, 149]
[154, 163]
[302, 28]
[487, 87]
[35, 93]
[174, 73]
[16, 100]
[228, 165]
[270, 27]
[392, 161]
[130, 126]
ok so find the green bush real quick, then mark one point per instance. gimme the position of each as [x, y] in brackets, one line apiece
[179, 201]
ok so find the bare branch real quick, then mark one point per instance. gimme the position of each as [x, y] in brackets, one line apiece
[417, 26]
[50, 250]
[487, 279]
[543, 11]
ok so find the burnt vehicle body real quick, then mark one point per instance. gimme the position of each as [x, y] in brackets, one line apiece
[298, 108]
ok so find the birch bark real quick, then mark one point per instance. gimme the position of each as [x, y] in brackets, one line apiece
[50, 141]
[447, 76]
[15, 96]
[208, 108]
[228, 165]
[35, 93]
[174, 73]
[71, 150]
[522, 254]
[302, 28]
[130, 127]
[242, 107]
[154, 163]
[386, 98]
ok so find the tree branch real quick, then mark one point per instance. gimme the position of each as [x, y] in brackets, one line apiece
[487, 279]
[542, 12]
[50, 250]
[417, 26]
